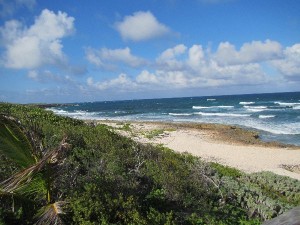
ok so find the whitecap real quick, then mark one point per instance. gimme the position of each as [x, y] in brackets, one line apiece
[288, 129]
[246, 103]
[200, 107]
[266, 116]
[57, 111]
[225, 106]
[211, 99]
[255, 108]
[120, 112]
[210, 107]
[288, 103]
[223, 114]
[296, 107]
[180, 114]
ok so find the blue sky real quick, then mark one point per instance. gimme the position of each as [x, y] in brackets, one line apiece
[76, 51]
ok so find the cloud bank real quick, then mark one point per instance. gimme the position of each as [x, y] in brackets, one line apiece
[183, 67]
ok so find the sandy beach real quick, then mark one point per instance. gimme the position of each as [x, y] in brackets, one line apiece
[227, 145]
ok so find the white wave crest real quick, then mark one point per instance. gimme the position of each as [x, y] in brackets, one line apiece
[211, 99]
[246, 103]
[180, 114]
[211, 107]
[288, 129]
[223, 114]
[57, 111]
[266, 116]
[255, 108]
[77, 114]
[200, 107]
[296, 107]
[288, 103]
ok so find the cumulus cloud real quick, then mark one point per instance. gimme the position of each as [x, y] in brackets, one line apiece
[170, 57]
[289, 66]
[38, 45]
[121, 83]
[183, 67]
[253, 52]
[145, 77]
[105, 57]
[141, 26]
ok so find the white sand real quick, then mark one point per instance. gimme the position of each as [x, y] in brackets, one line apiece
[247, 158]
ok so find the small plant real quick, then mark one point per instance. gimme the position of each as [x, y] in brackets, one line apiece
[226, 170]
[126, 127]
[154, 133]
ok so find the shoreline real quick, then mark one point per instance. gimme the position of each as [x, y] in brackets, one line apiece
[228, 145]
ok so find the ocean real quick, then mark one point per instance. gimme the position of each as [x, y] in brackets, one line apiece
[275, 116]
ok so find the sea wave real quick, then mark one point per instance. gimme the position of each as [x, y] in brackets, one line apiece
[291, 104]
[285, 129]
[255, 108]
[296, 107]
[200, 107]
[211, 99]
[246, 103]
[266, 116]
[78, 114]
[222, 114]
[211, 107]
[57, 111]
[180, 114]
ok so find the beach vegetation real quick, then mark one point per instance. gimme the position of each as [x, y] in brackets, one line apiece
[154, 133]
[226, 170]
[66, 170]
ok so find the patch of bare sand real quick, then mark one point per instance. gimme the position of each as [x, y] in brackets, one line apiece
[218, 144]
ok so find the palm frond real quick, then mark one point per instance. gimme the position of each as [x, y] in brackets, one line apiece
[14, 143]
[20, 179]
[50, 214]
[35, 189]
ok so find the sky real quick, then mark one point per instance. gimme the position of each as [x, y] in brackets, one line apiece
[81, 51]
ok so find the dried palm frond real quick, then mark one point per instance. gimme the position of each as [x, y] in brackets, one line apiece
[18, 180]
[50, 214]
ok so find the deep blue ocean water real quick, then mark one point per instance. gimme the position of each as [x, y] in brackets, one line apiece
[276, 116]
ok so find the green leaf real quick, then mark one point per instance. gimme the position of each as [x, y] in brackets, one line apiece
[14, 143]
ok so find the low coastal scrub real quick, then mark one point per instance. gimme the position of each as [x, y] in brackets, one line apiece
[74, 172]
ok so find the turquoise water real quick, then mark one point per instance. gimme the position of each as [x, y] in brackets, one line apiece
[276, 116]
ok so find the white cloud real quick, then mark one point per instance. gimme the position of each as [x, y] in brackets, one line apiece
[171, 53]
[289, 66]
[46, 76]
[253, 52]
[104, 57]
[183, 67]
[141, 26]
[196, 57]
[169, 57]
[121, 83]
[38, 45]
[145, 77]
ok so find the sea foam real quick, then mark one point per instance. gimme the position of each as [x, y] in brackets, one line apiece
[222, 114]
